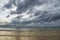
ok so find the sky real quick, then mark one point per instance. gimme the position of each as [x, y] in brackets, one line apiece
[30, 12]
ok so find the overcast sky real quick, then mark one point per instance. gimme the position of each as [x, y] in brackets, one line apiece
[30, 12]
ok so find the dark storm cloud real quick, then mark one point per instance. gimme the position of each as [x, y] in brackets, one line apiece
[47, 18]
[27, 4]
[9, 4]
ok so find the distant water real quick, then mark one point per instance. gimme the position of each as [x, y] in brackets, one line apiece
[7, 27]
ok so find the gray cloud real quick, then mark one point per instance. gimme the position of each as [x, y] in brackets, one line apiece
[49, 12]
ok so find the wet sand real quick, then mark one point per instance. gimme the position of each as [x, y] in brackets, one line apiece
[30, 35]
